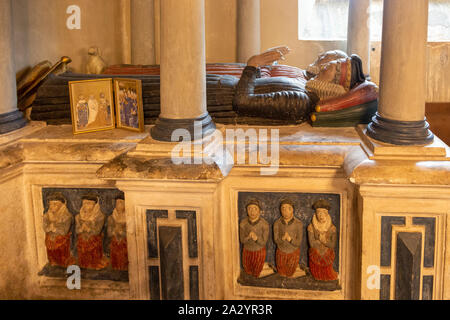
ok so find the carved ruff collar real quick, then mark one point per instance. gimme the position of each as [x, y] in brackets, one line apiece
[60, 215]
[91, 215]
[119, 217]
[321, 227]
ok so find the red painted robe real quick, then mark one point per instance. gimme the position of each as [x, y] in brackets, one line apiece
[117, 231]
[321, 267]
[287, 262]
[90, 239]
[57, 237]
[253, 252]
[58, 250]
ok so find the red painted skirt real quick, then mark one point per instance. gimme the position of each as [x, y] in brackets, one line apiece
[58, 250]
[119, 254]
[321, 267]
[90, 252]
[287, 262]
[253, 261]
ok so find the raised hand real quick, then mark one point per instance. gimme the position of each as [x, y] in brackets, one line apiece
[269, 56]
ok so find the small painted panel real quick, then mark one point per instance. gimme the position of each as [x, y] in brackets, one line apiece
[191, 217]
[385, 287]
[153, 275]
[386, 238]
[152, 242]
[289, 240]
[430, 235]
[408, 266]
[171, 262]
[85, 227]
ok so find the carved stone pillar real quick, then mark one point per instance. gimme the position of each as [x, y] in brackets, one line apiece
[358, 36]
[183, 72]
[10, 118]
[401, 113]
[249, 29]
[142, 32]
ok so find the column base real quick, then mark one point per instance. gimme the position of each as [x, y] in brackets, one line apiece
[11, 121]
[164, 127]
[400, 132]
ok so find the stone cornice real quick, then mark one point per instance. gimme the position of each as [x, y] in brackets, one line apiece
[301, 148]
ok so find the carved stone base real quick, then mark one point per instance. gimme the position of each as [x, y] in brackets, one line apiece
[164, 127]
[11, 121]
[400, 132]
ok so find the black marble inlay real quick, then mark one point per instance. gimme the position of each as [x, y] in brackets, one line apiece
[427, 288]
[11, 121]
[430, 235]
[193, 283]
[385, 287]
[407, 271]
[400, 132]
[192, 230]
[153, 273]
[164, 127]
[386, 237]
[171, 262]
[152, 242]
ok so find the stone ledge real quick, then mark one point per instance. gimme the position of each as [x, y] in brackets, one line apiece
[125, 167]
[300, 146]
[402, 173]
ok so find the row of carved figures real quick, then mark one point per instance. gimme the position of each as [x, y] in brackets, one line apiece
[288, 235]
[89, 223]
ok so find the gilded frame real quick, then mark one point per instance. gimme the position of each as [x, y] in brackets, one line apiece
[137, 86]
[99, 86]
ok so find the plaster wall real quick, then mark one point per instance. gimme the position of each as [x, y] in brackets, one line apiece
[40, 31]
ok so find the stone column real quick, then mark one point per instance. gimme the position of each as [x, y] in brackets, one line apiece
[10, 118]
[401, 113]
[358, 34]
[142, 32]
[183, 71]
[249, 29]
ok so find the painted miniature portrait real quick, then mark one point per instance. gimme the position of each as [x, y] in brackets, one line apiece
[129, 106]
[92, 105]
[322, 240]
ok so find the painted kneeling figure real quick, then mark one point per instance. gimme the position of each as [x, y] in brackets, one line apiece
[253, 234]
[89, 225]
[322, 236]
[117, 231]
[57, 222]
[288, 233]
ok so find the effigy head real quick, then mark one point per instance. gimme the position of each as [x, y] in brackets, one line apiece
[337, 77]
[314, 68]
